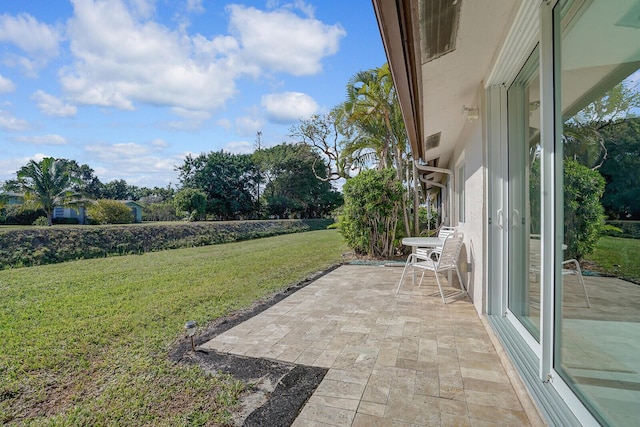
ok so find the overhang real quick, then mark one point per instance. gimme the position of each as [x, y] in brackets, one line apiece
[436, 79]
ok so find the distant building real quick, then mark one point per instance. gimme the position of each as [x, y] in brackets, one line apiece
[136, 209]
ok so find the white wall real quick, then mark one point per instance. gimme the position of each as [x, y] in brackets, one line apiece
[470, 146]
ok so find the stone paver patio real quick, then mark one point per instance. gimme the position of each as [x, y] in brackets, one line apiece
[394, 359]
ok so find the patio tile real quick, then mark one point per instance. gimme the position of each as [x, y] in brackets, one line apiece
[393, 359]
[342, 389]
[326, 414]
[366, 420]
[371, 408]
[452, 420]
[497, 415]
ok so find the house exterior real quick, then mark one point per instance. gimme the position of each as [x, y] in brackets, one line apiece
[489, 92]
[80, 213]
[136, 209]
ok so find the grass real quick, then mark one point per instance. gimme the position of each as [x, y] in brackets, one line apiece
[86, 342]
[618, 257]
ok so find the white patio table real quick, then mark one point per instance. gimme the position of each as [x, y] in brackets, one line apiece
[426, 243]
[423, 242]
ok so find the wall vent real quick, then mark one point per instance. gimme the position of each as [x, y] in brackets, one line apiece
[432, 141]
[439, 25]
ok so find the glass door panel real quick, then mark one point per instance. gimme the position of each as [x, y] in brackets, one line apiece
[597, 301]
[523, 109]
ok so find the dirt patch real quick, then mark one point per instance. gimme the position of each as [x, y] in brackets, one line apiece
[276, 391]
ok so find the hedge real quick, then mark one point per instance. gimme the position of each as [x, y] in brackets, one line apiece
[630, 229]
[28, 247]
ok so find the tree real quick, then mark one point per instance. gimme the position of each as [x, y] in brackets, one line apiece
[191, 201]
[116, 190]
[621, 198]
[321, 134]
[228, 180]
[372, 200]
[47, 184]
[296, 184]
[110, 212]
[372, 118]
[585, 134]
[89, 185]
[583, 213]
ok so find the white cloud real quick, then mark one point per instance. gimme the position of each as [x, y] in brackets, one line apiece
[38, 40]
[195, 6]
[29, 35]
[225, 124]
[194, 119]
[239, 147]
[143, 9]
[282, 41]
[53, 106]
[10, 123]
[248, 125]
[6, 85]
[159, 143]
[9, 166]
[138, 164]
[289, 107]
[51, 139]
[120, 61]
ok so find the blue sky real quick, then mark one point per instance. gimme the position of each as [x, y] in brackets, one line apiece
[130, 87]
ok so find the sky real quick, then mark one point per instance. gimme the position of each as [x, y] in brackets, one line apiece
[131, 87]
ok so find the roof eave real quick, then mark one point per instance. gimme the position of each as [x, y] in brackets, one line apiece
[400, 38]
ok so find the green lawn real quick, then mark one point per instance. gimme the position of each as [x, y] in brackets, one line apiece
[86, 342]
[618, 257]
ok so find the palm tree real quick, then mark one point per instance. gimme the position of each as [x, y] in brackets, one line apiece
[379, 135]
[48, 184]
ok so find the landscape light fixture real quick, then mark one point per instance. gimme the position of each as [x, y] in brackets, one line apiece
[190, 327]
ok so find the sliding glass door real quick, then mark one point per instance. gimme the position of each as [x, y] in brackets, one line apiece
[523, 109]
[597, 300]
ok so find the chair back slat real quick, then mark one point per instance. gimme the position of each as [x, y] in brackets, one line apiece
[445, 231]
[450, 251]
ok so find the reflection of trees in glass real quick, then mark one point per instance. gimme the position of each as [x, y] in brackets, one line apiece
[585, 134]
[534, 196]
[600, 140]
[583, 212]
[621, 198]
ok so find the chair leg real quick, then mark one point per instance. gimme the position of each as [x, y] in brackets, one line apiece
[409, 258]
[421, 277]
[462, 285]
[440, 287]
[578, 272]
[581, 280]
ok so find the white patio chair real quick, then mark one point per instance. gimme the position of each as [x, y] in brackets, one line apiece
[442, 234]
[578, 272]
[447, 261]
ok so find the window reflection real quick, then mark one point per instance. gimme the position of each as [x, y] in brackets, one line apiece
[598, 305]
[523, 98]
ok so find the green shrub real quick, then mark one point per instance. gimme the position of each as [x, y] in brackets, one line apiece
[110, 212]
[72, 221]
[41, 222]
[164, 211]
[35, 246]
[18, 215]
[627, 229]
[191, 201]
[583, 212]
[428, 218]
[371, 204]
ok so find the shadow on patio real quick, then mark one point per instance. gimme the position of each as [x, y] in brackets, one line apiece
[393, 359]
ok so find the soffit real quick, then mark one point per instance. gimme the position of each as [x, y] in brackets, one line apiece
[452, 80]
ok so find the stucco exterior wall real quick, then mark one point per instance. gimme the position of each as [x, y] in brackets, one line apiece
[470, 147]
